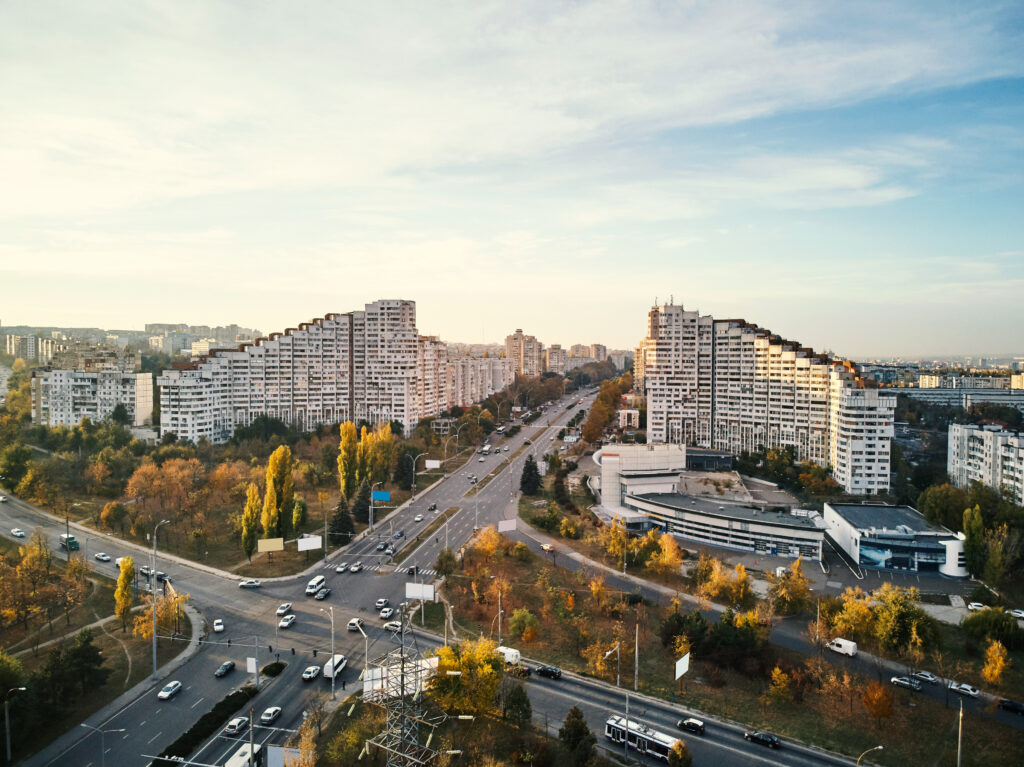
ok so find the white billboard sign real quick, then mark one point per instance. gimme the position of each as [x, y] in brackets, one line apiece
[682, 665]
[424, 591]
[250, 665]
[282, 756]
[433, 464]
[377, 685]
[311, 543]
[506, 526]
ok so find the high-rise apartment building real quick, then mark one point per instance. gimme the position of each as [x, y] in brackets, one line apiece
[730, 385]
[32, 348]
[599, 352]
[988, 454]
[67, 397]
[526, 353]
[579, 350]
[555, 358]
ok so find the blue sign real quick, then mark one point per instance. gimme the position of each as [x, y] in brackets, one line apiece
[381, 495]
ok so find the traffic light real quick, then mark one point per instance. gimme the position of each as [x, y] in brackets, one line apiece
[314, 652]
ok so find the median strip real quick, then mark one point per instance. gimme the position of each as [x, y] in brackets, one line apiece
[423, 535]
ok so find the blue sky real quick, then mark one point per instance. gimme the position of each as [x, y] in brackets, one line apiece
[849, 176]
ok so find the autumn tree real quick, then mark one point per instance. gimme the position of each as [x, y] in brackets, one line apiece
[668, 558]
[446, 563]
[279, 476]
[123, 592]
[114, 516]
[790, 593]
[974, 541]
[270, 513]
[473, 689]
[347, 459]
[577, 738]
[779, 688]
[900, 623]
[250, 520]
[299, 509]
[854, 619]
[878, 700]
[170, 610]
[679, 755]
[489, 542]
[997, 661]
[521, 620]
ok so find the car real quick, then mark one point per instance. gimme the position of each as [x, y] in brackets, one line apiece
[218, 626]
[964, 689]
[237, 726]
[400, 534]
[3, 499]
[323, 593]
[342, 568]
[506, 448]
[528, 442]
[390, 551]
[17, 532]
[270, 715]
[162, 577]
[311, 672]
[355, 624]
[169, 690]
[387, 613]
[283, 609]
[1012, 706]
[101, 557]
[472, 480]
[413, 570]
[432, 507]
[974, 606]
[418, 518]
[286, 621]
[356, 567]
[145, 571]
[764, 738]
[392, 626]
[519, 670]
[925, 676]
[381, 603]
[224, 668]
[251, 583]
[551, 672]
[1018, 614]
[691, 724]
[546, 547]
[906, 682]
[481, 460]
[381, 546]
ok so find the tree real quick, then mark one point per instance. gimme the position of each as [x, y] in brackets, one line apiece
[271, 511]
[361, 505]
[900, 624]
[529, 482]
[516, 705]
[298, 514]
[14, 463]
[446, 563]
[521, 620]
[943, 505]
[779, 690]
[473, 690]
[997, 661]
[279, 476]
[119, 415]
[577, 738]
[668, 558]
[974, 541]
[854, 620]
[114, 515]
[306, 745]
[250, 520]
[342, 528]
[877, 699]
[997, 560]
[679, 755]
[790, 592]
[83, 662]
[123, 592]
[403, 474]
[169, 613]
[347, 459]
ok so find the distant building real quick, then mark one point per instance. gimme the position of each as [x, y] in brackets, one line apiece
[33, 348]
[599, 352]
[629, 418]
[579, 350]
[1017, 381]
[526, 353]
[66, 397]
[555, 359]
[894, 538]
[965, 397]
[988, 454]
[963, 382]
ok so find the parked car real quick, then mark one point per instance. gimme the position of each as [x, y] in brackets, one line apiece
[764, 738]
[283, 609]
[251, 583]
[906, 682]
[392, 626]
[237, 726]
[162, 577]
[145, 571]
[381, 603]
[218, 626]
[691, 724]
[387, 613]
[418, 518]
[270, 715]
[551, 672]
[481, 460]
[101, 557]
[925, 676]
[286, 621]
[973, 606]
[964, 689]
[355, 624]
[323, 593]
[224, 668]
[3, 499]
[356, 567]
[1012, 706]
[169, 691]
[17, 532]
[311, 672]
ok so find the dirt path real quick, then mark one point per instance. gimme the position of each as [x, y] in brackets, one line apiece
[128, 655]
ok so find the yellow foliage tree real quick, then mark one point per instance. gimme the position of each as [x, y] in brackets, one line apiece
[669, 557]
[169, 612]
[488, 542]
[877, 699]
[473, 689]
[347, 449]
[997, 661]
[779, 689]
[853, 621]
[123, 592]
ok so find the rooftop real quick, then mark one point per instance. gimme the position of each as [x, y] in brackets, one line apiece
[904, 519]
[730, 510]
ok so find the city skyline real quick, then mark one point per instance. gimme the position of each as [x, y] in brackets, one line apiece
[559, 168]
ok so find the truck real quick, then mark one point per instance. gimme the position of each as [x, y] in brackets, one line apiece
[486, 450]
[335, 666]
[843, 646]
[511, 655]
[68, 542]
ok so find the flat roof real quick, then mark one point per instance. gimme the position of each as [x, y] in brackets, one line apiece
[865, 516]
[729, 510]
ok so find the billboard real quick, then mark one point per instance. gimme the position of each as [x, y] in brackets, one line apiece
[506, 525]
[378, 686]
[424, 591]
[311, 542]
[282, 756]
[682, 665]
[250, 665]
[381, 495]
[270, 544]
[433, 464]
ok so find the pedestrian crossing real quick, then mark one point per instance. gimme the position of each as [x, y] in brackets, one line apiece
[375, 567]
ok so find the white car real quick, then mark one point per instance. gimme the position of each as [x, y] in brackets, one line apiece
[392, 626]
[481, 460]
[381, 603]
[286, 621]
[236, 726]
[101, 557]
[311, 672]
[3, 499]
[387, 613]
[169, 691]
[355, 624]
[418, 518]
[251, 583]
[546, 547]
[283, 609]
[1018, 614]
[973, 606]
[925, 676]
[342, 568]
[356, 567]
[964, 689]
[270, 715]
[218, 626]
[17, 532]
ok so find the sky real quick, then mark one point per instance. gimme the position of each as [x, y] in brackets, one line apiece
[849, 175]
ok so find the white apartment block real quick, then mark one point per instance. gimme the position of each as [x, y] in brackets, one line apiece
[555, 358]
[987, 454]
[474, 379]
[927, 381]
[33, 348]
[367, 365]
[526, 353]
[1017, 381]
[599, 352]
[730, 385]
[66, 397]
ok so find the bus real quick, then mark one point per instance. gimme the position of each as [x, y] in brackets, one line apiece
[486, 450]
[500, 430]
[241, 757]
[642, 738]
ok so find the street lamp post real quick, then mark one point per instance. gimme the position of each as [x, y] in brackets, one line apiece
[876, 748]
[7, 717]
[414, 474]
[371, 503]
[152, 590]
[618, 683]
[103, 748]
[334, 672]
[366, 651]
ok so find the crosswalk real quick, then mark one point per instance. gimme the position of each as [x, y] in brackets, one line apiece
[375, 567]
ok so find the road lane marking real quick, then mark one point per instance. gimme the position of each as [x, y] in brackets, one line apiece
[155, 737]
[197, 702]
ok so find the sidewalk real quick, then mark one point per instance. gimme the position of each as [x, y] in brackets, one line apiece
[76, 734]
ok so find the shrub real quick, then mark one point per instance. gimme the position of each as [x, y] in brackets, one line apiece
[273, 669]
[994, 624]
[208, 724]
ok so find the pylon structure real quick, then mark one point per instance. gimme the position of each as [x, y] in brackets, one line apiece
[398, 679]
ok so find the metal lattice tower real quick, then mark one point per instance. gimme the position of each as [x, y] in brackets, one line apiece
[399, 678]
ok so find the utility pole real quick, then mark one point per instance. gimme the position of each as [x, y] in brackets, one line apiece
[152, 589]
[414, 460]
[499, 616]
[636, 659]
[250, 737]
[334, 671]
[960, 737]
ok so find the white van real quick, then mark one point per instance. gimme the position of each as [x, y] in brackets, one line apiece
[334, 666]
[315, 585]
[843, 647]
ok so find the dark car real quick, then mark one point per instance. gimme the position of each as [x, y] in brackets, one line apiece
[224, 668]
[413, 570]
[381, 546]
[432, 507]
[400, 534]
[691, 724]
[519, 670]
[551, 672]
[1012, 706]
[323, 593]
[764, 738]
